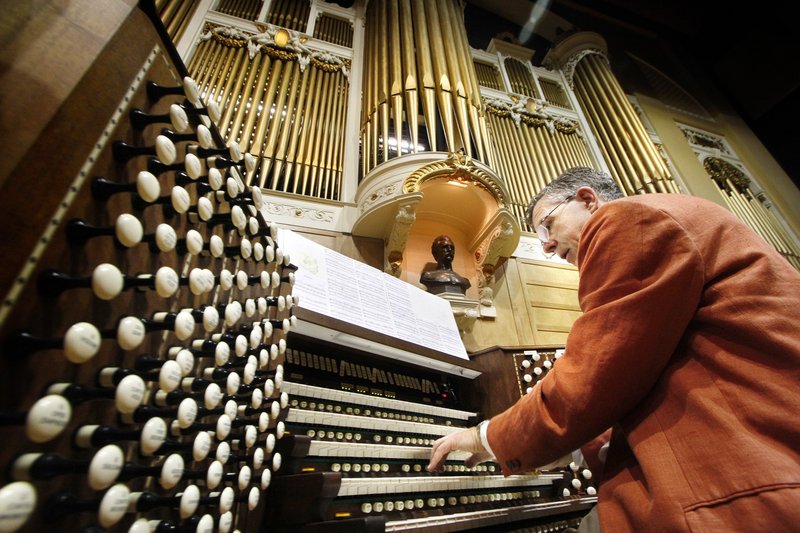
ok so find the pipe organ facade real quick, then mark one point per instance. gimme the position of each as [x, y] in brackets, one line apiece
[160, 372]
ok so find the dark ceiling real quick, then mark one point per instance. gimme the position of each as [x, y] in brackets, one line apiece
[751, 54]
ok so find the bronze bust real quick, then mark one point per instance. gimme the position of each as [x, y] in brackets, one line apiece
[443, 279]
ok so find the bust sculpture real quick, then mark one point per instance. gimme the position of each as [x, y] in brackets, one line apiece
[443, 279]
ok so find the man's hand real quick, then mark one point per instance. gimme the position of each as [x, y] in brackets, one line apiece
[466, 440]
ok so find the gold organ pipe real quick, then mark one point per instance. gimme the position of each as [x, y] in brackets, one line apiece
[580, 150]
[280, 117]
[503, 161]
[368, 105]
[254, 79]
[638, 129]
[468, 73]
[314, 129]
[242, 127]
[741, 211]
[425, 72]
[600, 71]
[204, 79]
[537, 174]
[581, 158]
[625, 131]
[769, 220]
[333, 131]
[339, 156]
[179, 21]
[752, 205]
[551, 150]
[223, 80]
[326, 158]
[279, 9]
[197, 64]
[442, 80]
[584, 151]
[323, 130]
[297, 15]
[292, 126]
[545, 157]
[525, 150]
[512, 149]
[287, 125]
[231, 97]
[267, 118]
[561, 149]
[567, 150]
[458, 93]
[168, 13]
[618, 134]
[384, 87]
[217, 71]
[396, 83]
[597, 121]
[410, 84]
[300, 147]
[230, 84]
[326, 134]
[338, 132]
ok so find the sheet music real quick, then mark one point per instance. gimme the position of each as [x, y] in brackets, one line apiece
[337, 286]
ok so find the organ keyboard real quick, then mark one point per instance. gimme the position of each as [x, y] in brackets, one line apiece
[153, 378]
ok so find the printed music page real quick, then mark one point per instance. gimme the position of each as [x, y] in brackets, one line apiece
[339, 287]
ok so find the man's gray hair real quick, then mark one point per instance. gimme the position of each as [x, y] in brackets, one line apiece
[567, 184]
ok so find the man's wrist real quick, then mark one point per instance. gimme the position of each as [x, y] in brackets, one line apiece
[482, 429]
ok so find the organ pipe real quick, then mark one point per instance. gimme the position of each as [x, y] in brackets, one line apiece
[280, 104]
[622, 138]
[417, 62]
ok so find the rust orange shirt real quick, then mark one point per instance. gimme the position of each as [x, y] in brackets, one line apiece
[689, 347]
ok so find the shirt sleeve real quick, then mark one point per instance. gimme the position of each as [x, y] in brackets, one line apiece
[640, 284]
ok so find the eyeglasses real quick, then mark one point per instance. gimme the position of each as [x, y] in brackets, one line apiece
[542, 231]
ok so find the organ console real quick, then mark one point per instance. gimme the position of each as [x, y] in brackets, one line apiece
[215, 408]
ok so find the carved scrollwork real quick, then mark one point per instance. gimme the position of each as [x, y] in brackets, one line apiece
[288, 47]
[725, 174]
[458, 166]
[294, 211]
[531, 112]
[569, 67]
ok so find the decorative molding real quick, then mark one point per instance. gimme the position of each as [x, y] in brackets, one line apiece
[294, 211]
[704, 140]
[726, 174]
[387, 191]
[531, 112]
[294, 48]
[569, 67]
[458, 166]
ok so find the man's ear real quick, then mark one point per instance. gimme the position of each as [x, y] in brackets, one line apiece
[589, 197]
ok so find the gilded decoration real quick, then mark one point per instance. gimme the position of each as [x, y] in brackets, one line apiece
[531, 112]
[460, 167]
[293, 211]
[278, 43]
[726, 174]
[568, 69]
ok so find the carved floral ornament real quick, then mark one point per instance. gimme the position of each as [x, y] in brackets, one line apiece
[530, 111]
[723, 173]
[568, 69]
[278, 43]
[460, 167]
